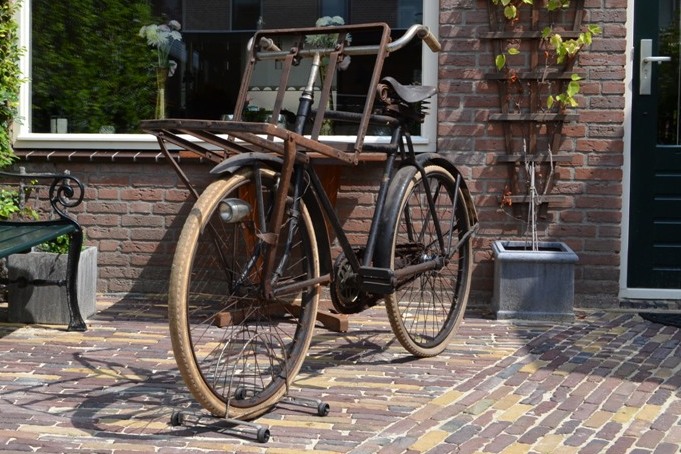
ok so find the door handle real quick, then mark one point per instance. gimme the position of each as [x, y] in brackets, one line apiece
[646, 70]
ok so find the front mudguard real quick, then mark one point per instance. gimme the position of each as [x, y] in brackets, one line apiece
[402, 178]
[243, 160]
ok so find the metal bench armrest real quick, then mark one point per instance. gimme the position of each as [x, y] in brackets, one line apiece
[66, 191]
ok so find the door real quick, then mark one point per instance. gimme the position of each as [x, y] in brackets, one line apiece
[654, 259]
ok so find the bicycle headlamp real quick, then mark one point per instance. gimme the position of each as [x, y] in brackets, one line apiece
[233, 210]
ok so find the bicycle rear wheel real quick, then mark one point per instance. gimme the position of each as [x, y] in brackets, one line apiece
[425, 310]
[236, 351]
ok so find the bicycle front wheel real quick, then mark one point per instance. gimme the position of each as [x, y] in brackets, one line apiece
[426, 309]
[237, 351]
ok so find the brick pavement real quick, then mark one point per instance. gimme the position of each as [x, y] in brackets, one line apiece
[609, 382]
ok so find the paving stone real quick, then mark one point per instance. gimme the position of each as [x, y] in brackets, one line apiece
[533, 435]
[650, 439]
[666, 448]
[620, 445]
[462, 435]
[664, 422]
[580, 437]
[594, 447]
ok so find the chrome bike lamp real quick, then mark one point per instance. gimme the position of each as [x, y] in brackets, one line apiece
[233, 210]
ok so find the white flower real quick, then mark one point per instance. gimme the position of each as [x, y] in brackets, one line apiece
[162, 38]
[175, 25]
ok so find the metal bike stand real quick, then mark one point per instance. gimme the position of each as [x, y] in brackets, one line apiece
[322, 407]
[262, 433]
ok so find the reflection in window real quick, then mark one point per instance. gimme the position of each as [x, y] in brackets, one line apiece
[334, 8]
[246, 14]
[93, 73]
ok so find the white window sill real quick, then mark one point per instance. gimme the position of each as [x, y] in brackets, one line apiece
[149, 142]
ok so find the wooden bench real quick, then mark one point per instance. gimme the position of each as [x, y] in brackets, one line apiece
[18, 236]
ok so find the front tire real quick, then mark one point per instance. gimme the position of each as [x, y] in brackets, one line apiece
[236, 352]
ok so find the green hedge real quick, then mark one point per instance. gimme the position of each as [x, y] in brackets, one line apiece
[10, 77]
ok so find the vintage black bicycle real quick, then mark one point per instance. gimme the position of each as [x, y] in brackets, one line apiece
[254, 251]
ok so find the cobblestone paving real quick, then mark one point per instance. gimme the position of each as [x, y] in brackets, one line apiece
[609, 382]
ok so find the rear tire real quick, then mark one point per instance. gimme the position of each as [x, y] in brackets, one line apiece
[426, 310]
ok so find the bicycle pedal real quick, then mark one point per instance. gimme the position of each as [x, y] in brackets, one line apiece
[377, 280]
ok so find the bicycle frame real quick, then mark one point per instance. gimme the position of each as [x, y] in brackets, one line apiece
[225, 142]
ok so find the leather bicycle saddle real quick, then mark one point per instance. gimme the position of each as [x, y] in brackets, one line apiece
[410, 93]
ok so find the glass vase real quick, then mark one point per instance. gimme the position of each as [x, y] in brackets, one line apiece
[161, 78]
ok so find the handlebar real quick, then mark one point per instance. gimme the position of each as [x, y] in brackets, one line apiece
[269, 51]
[416, 30]
[431, 41]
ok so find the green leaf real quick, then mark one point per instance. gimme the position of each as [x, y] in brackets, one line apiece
[549, 101]
[556, 40]
[553, 5]
[571, 47]
[594, 29]
[513, 51]
[500, 61]
[575, 77]
[510, 12]
[573, 88]
[546, 32]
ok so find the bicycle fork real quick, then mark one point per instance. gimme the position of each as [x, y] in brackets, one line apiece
[272, 236]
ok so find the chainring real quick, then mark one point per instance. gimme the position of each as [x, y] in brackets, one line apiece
[347, 296]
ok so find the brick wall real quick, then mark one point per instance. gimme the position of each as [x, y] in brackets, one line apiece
[589, 217]
[133, 211]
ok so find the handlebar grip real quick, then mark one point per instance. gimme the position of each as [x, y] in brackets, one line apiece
[268, 45]
[430, 40]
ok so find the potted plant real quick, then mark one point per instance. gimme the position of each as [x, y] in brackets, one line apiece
[535, 49]
[27, 304]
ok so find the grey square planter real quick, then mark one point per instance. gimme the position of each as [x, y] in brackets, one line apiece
[48, 304]
[533, 285]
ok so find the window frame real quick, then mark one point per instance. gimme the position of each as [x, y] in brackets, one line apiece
[25, 139]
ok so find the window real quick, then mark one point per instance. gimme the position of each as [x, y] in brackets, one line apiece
[93, 77]
[246, 15]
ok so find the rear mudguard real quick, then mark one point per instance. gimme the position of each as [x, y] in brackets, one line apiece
[382, 255]
[234, 163]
